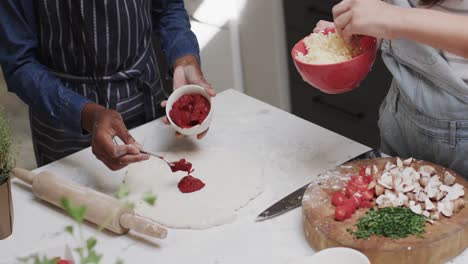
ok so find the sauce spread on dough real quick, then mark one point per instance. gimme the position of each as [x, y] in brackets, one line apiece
[190, 110]
[190, 184]
[182, 165]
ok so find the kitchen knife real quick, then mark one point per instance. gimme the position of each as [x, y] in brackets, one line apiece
[294, 199]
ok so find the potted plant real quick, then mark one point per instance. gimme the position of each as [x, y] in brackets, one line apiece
[6, 165]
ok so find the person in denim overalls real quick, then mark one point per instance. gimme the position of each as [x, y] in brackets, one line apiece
[425, 47]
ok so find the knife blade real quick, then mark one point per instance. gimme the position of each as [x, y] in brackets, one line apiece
[294, 199]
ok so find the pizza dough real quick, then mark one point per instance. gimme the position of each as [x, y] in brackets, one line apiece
[231, 179]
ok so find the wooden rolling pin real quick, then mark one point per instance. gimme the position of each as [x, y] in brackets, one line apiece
[99, 207]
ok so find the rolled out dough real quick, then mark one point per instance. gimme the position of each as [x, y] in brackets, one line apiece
[232, 180]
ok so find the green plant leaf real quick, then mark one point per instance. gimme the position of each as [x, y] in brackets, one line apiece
[130, 205]
[119, 261]
[69, 229]
[79, 250]
[122, 192]
[92, 258]
[7, 161]
[149, 198]
[91, 243]
[74, 211]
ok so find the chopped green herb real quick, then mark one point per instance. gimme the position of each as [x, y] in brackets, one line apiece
[74, 211]
[392, 222]
[122, 192]
[149, 198]
[69, 229]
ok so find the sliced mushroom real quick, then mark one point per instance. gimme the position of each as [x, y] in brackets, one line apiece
[435, 216]
[416, 209]
[432, 192]
[368, 171]
[375, 169]
[440, 195]
[453, 192]
[416, 175]
[422, 197]
[401, 200]
[411, 196]
[371, 185]
[396, 181]
[389, 165]
[435, 181]
[386, 181]
[412, 203]
[426, 170]
[405, 187]
[379, 189]
[407, 174]
[448, 209]
[429, 205]
[458, 204]
[449, 179]
[424, 181]
[426, 214]
[408, 161]
[417, 187]
[399, 163]
[383, 201]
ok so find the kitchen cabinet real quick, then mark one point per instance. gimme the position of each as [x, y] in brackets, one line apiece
[353, 114]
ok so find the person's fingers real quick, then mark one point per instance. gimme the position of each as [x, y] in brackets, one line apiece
[165, 120]
[178, 78]
[108, 149]
[179, 135]
[322, 25]
[208, 88]
[341, 8]
[202, 135]
[347, 33]
[128, 159]
[122, 132]
[112, 164]
[342, 21]
[163, 103]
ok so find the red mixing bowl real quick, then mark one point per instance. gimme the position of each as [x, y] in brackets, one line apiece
[337, 77]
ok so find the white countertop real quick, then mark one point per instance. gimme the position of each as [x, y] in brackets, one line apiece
[295, 150]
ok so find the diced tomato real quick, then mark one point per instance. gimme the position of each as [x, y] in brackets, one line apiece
[350, 206]
[341, 213]
[351, 190]
[367, 195]
[362, 172]
[359, 185]
[338, 198]
[369, 178]
[366, 204]
[357, 199]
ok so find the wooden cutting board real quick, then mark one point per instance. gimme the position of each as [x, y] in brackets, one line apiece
[444, 240]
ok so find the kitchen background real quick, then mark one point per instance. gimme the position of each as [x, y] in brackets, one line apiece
[245, 45]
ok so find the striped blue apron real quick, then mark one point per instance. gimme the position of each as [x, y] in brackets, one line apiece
[119, 32]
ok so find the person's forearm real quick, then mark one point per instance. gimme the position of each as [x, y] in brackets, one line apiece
[88, 115]
[438, 29]
[173, 25]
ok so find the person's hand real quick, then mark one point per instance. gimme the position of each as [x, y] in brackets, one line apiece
[105, 124]
[187, 71]
[322, 25]
[364, 17]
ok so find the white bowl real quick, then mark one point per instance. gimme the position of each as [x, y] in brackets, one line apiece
[181, 91]
[337, 255]
[340, 255]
